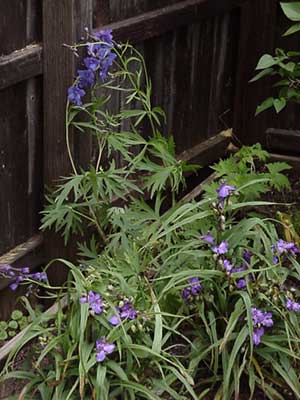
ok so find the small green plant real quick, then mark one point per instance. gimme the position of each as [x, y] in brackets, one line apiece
[17, 322]
[284, 66]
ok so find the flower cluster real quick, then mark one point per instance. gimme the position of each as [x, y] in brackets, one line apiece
[103, 348]
[192, 291]
[124, 311]
[260, 320]
[95, 302]
[292, 305]
[283, 248]
[20, 275]
[100, 58]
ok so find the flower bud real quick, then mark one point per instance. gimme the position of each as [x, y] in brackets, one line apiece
[133, 328]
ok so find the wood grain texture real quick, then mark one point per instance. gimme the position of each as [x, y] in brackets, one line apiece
[254, 42]
[283, 141]
[157, 22]
[20, 65]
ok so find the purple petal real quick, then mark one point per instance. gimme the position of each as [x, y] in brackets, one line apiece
[114, 320]
[100, 356]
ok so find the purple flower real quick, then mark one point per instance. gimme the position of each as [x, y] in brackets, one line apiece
[292, 305]
[283, 247]
[225, 191]
[104, 36]
[19, 275]
[103, 348]
[126, 311]
[75, 94]
[94, 300]
[14, 286]
[227, 265]
[257, 334]
[221, 249]
[190, 292]
[260, 320]
[247, 256]
[91, 63]
[86, 78]
[208, 238]
[241, 284]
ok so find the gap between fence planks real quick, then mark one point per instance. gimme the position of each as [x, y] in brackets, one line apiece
[21, 65]
[155, 23]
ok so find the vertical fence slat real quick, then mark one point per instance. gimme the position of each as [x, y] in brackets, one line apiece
[257, 37]
[62, 21]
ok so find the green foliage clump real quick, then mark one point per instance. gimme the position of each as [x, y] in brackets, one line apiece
[198, 298]
[284, 66]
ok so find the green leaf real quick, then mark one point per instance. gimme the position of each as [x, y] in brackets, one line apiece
[293, 29]
[261, 74]
[291, 10]
[279, 104]
[266, 61]
[265, 105]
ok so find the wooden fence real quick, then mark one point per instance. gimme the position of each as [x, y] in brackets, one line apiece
[200, 54]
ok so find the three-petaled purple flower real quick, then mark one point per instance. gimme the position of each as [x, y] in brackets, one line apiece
[95, 302]
[225, 191]
[103, 348]
[261, 320]
[221, 249]
[190, 292]
[208, 238]
[292, 305]
[124, 311]
[283, 247]
[75, 94]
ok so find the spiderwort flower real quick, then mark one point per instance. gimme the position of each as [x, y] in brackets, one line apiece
[190, 292]
[225, 191]
[222, 248]
[125, 311]
[283, 247]
[247, 256]
[292, 305]
[208, 238]
[227, 266]
[75, 94]
[103, 348]
[261, 320]
[95, 302]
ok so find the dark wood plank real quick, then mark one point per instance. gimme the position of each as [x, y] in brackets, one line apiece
[283, 141]
[20, 65]
[28, 254]
[63, 23]
[257, 37]
[155, 23]
[207, 152]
